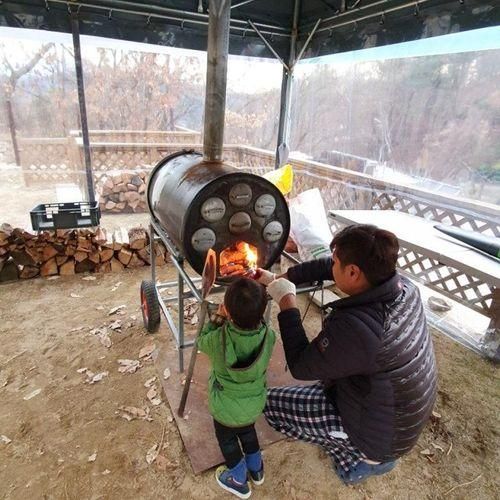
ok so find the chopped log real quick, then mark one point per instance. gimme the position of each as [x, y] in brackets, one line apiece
[22, 258]
[80, 256]
[48, 252]
[5, 230]
[132, 187]
[110, 205]
[120, 236]
[142, 188]
[104, 267]
[84, 266]
[100, 236]
[136, 180]
[135, 261]
[124, 256]
[61, 259]
[9, 272]
[49, 268]
[106, 254]
[3, 251]
[127, 177]
[84, 245]
[144, 254]
[132, 196]
[116, 265]
[28, 272]
[70, 250]
[67, 268]
[137, 237]
[95, 257]
[35, 254]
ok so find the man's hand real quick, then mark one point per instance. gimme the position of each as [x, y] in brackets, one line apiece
[264, 277]
[283, 293]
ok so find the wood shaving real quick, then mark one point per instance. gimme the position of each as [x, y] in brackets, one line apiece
[129, 365]
[89, 278]
[149, 382]
[166, 374]
[92, 457]
[32, 394]
[147, 351]
[5, 439]
[116, 325]
[116, 309]
[152, 454]
[131, 412]
[75, 296]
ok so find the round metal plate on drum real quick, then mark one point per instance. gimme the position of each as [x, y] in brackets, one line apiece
[213, 209]
[240, 195]
[239, 223]
[273, 231]
[265, 205]
[203, 239]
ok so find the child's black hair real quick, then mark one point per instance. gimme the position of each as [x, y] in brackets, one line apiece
[245, 301]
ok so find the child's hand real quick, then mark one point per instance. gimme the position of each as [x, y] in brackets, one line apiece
[264, 277]
[221, 311]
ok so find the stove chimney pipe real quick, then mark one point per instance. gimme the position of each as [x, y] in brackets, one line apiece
[219, 16]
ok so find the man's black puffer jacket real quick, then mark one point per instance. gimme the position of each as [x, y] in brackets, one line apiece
[376, 358]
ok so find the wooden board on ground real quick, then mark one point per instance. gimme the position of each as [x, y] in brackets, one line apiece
[197, 430]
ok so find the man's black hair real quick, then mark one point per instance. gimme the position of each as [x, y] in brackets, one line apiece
[373, 250]
[245, 301]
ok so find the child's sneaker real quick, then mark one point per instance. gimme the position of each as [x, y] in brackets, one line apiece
[226, 481]
[257, 477]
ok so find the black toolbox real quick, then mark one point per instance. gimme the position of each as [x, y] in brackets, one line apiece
[65, 215]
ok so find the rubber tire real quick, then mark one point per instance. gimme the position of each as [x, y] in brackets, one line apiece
[150, 306]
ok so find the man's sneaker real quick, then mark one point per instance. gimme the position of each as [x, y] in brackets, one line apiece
[227, 482]
[363, 471]
[257, 477]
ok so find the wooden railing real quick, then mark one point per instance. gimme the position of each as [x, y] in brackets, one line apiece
[49, 160]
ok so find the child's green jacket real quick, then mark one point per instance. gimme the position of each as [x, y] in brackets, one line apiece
[237, 384]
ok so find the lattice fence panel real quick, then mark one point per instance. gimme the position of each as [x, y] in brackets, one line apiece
[429, 209]
[457, 284]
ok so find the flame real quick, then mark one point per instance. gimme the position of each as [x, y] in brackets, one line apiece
[238, 260]
[251, 256]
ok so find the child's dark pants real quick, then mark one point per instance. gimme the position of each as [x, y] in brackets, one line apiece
[230, 446]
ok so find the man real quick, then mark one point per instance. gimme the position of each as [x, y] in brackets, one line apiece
[373, 358]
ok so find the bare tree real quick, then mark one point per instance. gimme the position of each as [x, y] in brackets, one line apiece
[14, 74]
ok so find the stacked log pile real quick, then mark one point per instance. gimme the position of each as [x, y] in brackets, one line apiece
[122, 191]
[69, 251]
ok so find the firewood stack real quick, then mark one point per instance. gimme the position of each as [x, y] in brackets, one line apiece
[70, 251]
[122, 191]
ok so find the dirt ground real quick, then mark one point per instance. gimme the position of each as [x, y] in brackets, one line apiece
[70, 442]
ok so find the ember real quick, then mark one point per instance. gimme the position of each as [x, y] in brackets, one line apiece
[239, 259]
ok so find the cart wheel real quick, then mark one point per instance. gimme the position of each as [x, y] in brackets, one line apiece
[150, 306]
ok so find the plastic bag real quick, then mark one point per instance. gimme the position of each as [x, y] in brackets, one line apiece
[282, 178]
[309, 226]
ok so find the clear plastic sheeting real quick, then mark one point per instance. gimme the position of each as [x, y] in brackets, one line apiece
[429, 121]
[39, 108]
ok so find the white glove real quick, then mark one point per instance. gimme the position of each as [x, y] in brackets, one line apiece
[264, 277]
[280, 288]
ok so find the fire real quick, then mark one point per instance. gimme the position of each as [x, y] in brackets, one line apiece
[239, 259]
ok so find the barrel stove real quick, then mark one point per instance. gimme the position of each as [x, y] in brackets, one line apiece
[200, 202]
[204, 204]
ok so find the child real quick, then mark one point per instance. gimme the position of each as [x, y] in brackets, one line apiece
[240, 350]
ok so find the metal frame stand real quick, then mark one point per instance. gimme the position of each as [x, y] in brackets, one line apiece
[156, 233]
